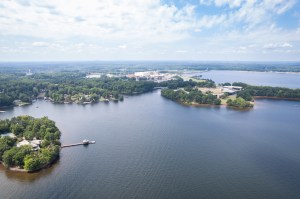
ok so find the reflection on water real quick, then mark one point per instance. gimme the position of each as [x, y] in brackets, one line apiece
[28, 177]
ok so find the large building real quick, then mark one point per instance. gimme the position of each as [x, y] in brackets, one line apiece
[151, 76]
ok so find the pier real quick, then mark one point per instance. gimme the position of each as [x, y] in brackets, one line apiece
[85, 142]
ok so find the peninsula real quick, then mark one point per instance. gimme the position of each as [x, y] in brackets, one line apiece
[28, 144]
[236, 95]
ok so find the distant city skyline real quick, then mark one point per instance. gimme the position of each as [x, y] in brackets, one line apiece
[192, 30]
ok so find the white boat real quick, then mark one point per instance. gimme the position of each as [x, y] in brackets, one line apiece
[85, 141]
[2, 111]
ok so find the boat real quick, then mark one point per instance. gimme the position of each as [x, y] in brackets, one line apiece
[85, 142]
[2, 111]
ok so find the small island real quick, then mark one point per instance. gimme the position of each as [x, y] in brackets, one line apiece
[28, 144]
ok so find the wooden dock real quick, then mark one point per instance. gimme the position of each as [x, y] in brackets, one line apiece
[77, 144]
[69, 145]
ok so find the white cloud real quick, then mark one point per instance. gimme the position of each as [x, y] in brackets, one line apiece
[145, 20]
[286, 45]
[40, 44]
[206, 2]
[279, 6]
[124, 28]
[250, 12]
[209, 21]
[277, 45]
[230, 3]
[181, 51]
[122, 46]
[219, 3]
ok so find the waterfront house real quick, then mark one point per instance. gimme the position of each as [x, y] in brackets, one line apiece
[35, 144]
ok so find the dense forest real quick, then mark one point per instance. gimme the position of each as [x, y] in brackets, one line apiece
[193, 96]
[250, 91]
[67, 87]
[180, 83]
[31, 129]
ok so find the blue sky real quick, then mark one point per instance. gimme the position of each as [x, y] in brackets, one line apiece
[217, 30]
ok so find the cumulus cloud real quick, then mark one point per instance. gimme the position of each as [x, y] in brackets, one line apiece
[149, 27]
[144, 20]
[249, 12]
[149, 21]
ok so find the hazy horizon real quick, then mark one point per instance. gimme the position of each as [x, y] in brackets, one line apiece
[161, 61]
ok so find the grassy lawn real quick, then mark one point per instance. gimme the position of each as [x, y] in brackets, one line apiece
[223, 101]
[197, 80]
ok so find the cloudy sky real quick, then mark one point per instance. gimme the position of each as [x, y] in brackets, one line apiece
[229, 30]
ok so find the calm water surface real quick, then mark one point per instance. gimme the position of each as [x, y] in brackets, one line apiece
[291, 80]
[150, 147]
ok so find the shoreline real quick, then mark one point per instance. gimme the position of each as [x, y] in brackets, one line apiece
[254, 71]
[276, 98]
[16, 169]
[236, 108]
[213, 106]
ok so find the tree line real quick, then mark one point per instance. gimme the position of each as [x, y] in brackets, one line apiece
[67, 87]
[250, 91]
[180, 83]
[74, 87]
[189, 97]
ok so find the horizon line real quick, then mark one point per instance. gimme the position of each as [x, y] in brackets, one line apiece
[212, 61]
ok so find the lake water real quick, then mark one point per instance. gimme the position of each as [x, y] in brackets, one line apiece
[290, 80]
[150, 147]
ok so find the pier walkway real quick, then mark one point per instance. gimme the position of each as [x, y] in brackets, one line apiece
[77, 144]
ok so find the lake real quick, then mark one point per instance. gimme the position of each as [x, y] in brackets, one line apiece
[290, 80]
[150, 147]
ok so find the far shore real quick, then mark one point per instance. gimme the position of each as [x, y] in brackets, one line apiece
[255, 71]
[277, 98]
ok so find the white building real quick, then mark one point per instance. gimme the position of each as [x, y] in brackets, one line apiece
[35, 144]
[151, 75]
[94, 75]
[235, 88]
